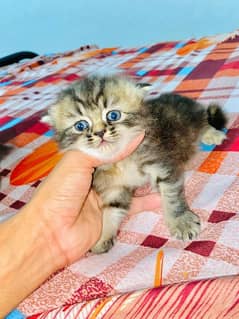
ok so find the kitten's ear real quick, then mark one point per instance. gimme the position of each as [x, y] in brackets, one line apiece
[46, 118]
[144, 86]
[49, 117]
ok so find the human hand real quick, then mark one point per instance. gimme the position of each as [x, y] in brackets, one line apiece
[69, 209]
[62, 221]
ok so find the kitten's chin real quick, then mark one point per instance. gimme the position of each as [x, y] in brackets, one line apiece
[105, 151]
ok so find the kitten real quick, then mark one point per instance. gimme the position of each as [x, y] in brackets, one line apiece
[100, 115]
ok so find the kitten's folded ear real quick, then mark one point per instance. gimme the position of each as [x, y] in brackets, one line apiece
[144, 86]
[50, 114]
[46, 118]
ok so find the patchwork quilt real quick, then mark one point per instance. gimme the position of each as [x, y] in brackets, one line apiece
[147, 274]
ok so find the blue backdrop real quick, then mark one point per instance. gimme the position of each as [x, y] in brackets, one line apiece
[48, 26]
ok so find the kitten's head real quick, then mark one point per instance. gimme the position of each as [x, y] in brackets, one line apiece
[97, 115]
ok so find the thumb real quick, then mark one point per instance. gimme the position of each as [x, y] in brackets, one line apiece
[67, 186]
[123, 153]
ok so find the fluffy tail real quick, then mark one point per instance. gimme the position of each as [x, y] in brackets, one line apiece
[216, 117]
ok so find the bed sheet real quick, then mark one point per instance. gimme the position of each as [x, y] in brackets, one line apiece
[145, 256]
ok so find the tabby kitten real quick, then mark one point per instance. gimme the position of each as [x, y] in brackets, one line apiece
[99, 115]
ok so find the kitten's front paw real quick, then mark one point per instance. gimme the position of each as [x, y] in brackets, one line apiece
[213, 136]
[186, 226]
[103, 245]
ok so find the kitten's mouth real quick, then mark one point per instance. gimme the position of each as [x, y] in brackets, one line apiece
[103, 142]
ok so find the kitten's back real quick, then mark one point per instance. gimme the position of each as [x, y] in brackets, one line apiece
[175, 126]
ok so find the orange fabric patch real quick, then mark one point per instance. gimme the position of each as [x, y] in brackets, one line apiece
[228, 72]
[212, 162]
[227, 45]
[24, 139]
[190, 85]
[107, 50]
[218, 56]
[36, 165]
[40, 84]
[144, 55]
[90, 54]
[3, 100]
[201, 44]
[127, 65]
[169, 78]
[15, 91]
[151, 79]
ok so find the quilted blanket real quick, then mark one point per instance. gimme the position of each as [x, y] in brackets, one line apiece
[145, 256]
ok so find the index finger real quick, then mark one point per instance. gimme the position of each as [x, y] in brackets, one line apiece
[128, 150]
[120, 155]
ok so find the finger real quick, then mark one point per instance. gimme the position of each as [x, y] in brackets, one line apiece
[92, 206]
[90, 218]
[67, 186]
[149, 202]
[130, 148]
[90, 161]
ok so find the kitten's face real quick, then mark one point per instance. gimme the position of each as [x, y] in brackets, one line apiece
[98, 116]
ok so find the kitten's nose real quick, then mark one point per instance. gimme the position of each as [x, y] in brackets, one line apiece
[100, 133]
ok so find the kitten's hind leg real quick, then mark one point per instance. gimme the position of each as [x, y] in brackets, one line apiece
[116, 203]
[182, 223]
[212, 136]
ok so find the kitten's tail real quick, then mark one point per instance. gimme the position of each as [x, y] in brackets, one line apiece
[216, 117]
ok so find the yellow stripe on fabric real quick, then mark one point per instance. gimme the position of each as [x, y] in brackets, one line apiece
[99, 307]
[158, 269]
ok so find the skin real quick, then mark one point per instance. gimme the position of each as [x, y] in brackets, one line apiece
[62, 221]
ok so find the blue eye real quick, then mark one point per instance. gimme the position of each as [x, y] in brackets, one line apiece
[113, 115]
[81, 125]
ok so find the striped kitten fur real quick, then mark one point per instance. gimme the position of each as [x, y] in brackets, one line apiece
[100, 115]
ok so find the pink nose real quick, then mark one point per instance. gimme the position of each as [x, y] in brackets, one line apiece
[100, 133]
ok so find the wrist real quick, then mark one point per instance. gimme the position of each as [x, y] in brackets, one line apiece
[26, 259]
[62, 245]
[43, 237]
